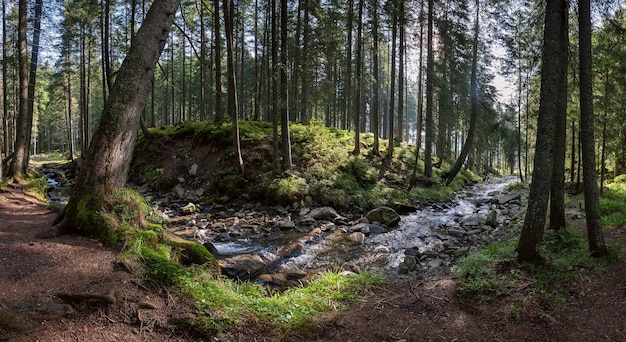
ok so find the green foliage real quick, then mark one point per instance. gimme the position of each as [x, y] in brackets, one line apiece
[613, 203]
[38, 187]
[483, 273]
[161, 267]
[364, 174]
[221, 134]
[235, 302]
[494, 271]
[288, 188]
[325, 170]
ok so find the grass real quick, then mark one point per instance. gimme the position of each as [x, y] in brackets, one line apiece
[492, 272]
[224, 303]
[230, 303]
[613, 203]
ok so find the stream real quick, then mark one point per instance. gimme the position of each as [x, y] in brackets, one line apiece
[281, 246]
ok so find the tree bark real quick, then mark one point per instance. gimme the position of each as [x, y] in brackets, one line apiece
[229, 14]
[5, 87]
[392, 90]
[104, 170]
[375, 83]
[219, 112]
[19, 163]
[284, 96]
[557, 188]
[590, 180]
[401, 56]
[430, 80]
[359, 82]
[551, 69]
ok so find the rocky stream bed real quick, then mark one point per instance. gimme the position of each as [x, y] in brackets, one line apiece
[284, 246]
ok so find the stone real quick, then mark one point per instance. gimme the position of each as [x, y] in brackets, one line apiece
[492, 218]
[384, 215]
[506, 198]
[402, 208]
[411, 262]
[360, 227]
[460, 252]
[211, 248]
[376, 229]
[357, 237]
[242, 267]
[286, 225]
[193, 170]
[324, 213]
[179, 191]
[412, 252]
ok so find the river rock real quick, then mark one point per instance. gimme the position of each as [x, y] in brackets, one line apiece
[286, 225]
[323, 213]
[384, 215]
[506, 198]
[376, 229]
[193, 170]
[179, 191]
[357, 237]
[492, 218]
[242, 267]
[411, 262]
[360, 227]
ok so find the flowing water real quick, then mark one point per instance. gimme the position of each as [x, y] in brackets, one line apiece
[432, 230]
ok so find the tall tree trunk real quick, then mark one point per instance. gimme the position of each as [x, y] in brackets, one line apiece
[306, 45]
[202, 80]
[106, 49]
[430, 80]
[19, 163]
[284, 96]
[274, 92]
[590, 182]
[392, 90]
[5, 87]
[573, 152]
[359, 82]
[257, 98]
[375, 84]
[420, 95]
[229, 15]
[557, 188]
[604, 119]
[551, 71]
[104, 170]
[402, 21]
[467, 145]
[219, 111]
[70, 105]
[348, 79]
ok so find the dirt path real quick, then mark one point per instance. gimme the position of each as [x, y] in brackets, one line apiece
[35, 271]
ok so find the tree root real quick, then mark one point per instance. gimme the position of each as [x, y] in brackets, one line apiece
[82, 301]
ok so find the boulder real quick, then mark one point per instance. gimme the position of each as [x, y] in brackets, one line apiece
[242, 267]
[384, 215]
[492, 218]
[506, 198]
[324, 213]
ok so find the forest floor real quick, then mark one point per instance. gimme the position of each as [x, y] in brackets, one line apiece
[113, 305]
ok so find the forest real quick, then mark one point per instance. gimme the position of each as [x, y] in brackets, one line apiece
[338, 62]
[356, 104]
